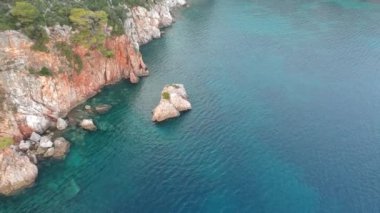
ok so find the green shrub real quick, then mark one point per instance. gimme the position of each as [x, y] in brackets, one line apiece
[166, 95]
[78, 64]
[39, 36]
[74, 59]
[106, 52]
[89, 17]
[91, 26]
[45, 72]
[31, 70]
[25, 12]
[7, 22]
[5, 142]
[40, 46]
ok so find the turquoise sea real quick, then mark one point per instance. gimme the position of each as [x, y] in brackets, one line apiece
[286, 118]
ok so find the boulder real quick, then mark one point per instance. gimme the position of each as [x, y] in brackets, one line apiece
[40, 151]
[88, 124]
[49, 152]
[38, 124]
[24, 145]
[102, 108]
[35, 137]
[61, 124]
[16, 172]
[62, 147]
[164, 110]
[45, 142]
[174, 100]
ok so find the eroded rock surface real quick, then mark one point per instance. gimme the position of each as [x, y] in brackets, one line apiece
[143, 24]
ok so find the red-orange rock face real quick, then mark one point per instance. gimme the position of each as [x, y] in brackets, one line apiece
[31, 101]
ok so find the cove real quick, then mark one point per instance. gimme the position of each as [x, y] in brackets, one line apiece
[285, 99]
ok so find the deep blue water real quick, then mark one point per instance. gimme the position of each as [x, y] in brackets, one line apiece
[286, 101]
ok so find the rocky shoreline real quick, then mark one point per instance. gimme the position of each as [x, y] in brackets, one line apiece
[30, 105]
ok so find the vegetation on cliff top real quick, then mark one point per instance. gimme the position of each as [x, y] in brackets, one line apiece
[92, 21]
[89, 17]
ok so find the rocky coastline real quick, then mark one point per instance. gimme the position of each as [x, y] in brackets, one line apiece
[31, 105]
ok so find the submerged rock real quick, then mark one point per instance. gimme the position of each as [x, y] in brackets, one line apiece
[102, 108]
[16, 172]
[62, 147]
[61, 124]
[88, 124]
[174, 100]
[71, 189]
[88, 108]
[39, 152]
[49, 152]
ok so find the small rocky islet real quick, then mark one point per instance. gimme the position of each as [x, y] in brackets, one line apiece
[174, 99]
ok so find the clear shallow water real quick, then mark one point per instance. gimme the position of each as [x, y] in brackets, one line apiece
[286, 100]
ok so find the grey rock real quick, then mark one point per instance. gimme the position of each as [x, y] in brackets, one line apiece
[16, 172]
[49, 152]
[164, 111]
[61, 124]
[33, 158]
[88, 124]
[24, 145]
[35, 137]
[38, 124]
[143, 25]
[62, 147]
[40, 151]
[45, 142]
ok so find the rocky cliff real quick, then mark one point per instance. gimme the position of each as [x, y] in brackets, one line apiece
[32, 102]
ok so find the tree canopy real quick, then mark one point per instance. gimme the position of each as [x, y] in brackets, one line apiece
[91, 26]
[25, 12]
